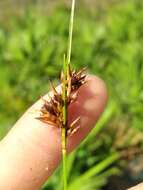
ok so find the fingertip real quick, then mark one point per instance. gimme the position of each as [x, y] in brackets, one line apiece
[91, 102]
[98, 87]
[92, 98]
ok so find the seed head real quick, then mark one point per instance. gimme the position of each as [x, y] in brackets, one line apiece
[51, 111]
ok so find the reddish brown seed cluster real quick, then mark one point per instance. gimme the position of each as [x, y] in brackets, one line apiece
[51, 111]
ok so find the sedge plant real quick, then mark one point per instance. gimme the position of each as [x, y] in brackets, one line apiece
[55, 110]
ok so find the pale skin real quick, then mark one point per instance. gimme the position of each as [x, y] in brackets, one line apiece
[32, 150]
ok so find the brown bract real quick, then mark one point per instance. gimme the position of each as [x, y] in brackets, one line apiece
[51, 111]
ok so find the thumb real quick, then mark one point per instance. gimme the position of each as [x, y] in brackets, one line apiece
[32, 150]
[137, 187]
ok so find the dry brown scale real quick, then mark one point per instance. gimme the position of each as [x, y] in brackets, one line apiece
[51, 111]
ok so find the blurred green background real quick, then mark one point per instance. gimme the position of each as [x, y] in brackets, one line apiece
[108, 38]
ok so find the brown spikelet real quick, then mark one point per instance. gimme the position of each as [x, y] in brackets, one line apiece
[51, 111]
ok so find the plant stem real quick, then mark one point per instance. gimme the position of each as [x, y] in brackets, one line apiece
[64, 158]
[64, 97]
[70, 32]
[64, 127]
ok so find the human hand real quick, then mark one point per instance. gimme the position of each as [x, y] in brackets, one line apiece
[137, 187]
[32, 150]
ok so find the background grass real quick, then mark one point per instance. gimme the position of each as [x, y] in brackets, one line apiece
[108, 38]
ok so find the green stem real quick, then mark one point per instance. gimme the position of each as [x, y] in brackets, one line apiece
[64, 97]
[64, 127]
[64, 158]
[70, 32]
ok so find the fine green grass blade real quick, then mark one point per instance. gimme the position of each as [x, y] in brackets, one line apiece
[95, 170]
[99, 180]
